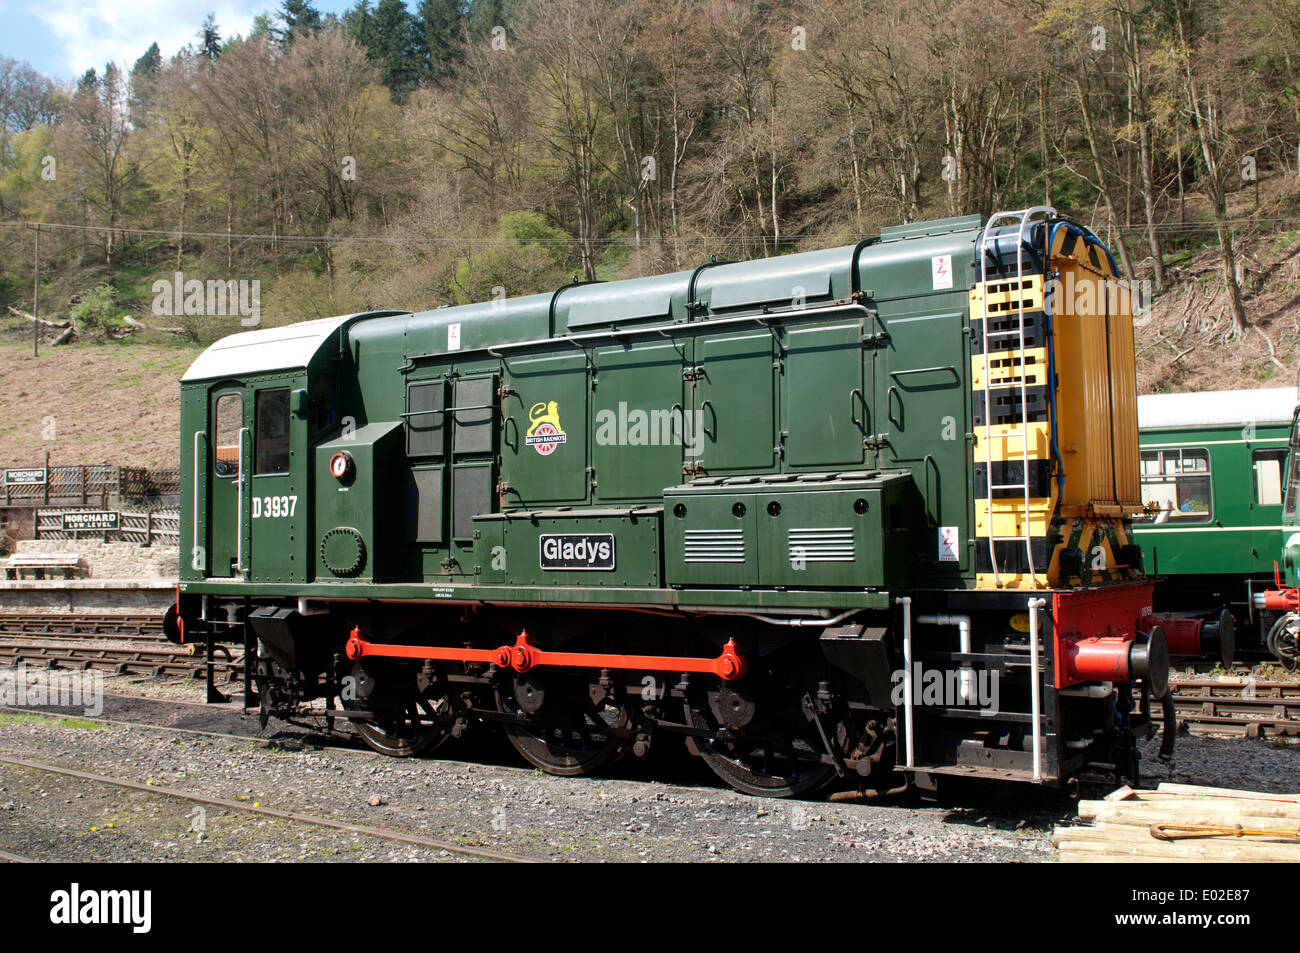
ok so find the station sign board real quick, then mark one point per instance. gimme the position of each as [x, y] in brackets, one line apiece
[25, 476]
[76, 520]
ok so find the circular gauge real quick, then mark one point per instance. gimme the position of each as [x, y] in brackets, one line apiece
[340, 465]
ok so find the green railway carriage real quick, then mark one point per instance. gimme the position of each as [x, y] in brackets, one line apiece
[746, 504]
[1212, 467]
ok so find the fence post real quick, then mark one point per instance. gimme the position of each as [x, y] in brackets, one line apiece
[148, 529]
[83, 485]
[36, 525]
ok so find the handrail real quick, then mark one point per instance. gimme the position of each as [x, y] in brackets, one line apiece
[197, 546]
[239, 524]
[1035, 689]
[665, 330]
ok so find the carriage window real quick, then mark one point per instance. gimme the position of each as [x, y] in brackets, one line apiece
[273, 431]
[229, 421]
[1268, 476]
[1178, 482]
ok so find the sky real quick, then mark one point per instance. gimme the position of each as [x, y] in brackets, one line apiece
[64, 38]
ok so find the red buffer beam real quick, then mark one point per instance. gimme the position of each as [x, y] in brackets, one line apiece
[523, 656]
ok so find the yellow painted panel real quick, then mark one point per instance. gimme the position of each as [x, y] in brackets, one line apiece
[1004, 368]
[1003, 296]
[1002, 446]
[1008, 517]
[985, 580]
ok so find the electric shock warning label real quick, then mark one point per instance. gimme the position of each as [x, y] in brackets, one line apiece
[941, 271]
[948, 543]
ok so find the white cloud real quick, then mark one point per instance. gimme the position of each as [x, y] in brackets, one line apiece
[94, 32]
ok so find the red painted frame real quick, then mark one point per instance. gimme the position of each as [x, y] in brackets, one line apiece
[523, 656]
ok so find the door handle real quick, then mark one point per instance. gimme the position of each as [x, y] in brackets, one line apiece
[714, 414]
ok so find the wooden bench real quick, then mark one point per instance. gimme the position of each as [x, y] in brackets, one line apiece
[42, 565]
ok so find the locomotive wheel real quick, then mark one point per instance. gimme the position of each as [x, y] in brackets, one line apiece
[565, 734]
[400, 727]
[753, 767]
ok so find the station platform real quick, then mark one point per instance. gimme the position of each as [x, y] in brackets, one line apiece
[90, 595]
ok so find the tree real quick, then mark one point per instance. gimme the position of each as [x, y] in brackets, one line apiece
[392, 47]
[359, 23]
[300, 19]
[100, 139]
[1206, 71]
[439, 26]
[329, 88]
[27, 98]
[486, 14]
[182, 134]
[144, 80]
[209, 38]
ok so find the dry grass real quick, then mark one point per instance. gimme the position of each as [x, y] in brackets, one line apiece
[110, 403]
[1185, 343]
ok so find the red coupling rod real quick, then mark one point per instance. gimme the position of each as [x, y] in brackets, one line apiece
[523, 656]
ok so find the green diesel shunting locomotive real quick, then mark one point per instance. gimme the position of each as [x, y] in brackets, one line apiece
[1279, 607]
[860, 513]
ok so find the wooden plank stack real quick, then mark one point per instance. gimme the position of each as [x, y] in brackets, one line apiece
[1193, 823]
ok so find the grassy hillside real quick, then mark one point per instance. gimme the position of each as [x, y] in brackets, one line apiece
[90, 403]
[1184, 343]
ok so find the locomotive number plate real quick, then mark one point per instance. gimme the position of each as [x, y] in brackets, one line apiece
[572, 551]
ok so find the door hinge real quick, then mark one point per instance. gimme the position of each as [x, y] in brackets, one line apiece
[693, 469]
[877, 441]
[692, 373]
[877, 340]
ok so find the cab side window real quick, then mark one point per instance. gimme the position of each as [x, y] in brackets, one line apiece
[229, 415]
[322, 404]
[273, 431]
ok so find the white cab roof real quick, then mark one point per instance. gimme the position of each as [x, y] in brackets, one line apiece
[1213, 408]
[266, 349]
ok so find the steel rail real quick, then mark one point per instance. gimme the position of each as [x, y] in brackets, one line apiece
[381, 833]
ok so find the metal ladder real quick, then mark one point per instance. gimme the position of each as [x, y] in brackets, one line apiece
[1024, 218]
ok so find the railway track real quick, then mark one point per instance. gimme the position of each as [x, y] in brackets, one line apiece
[89, 623]
[1238, 705]
[123, 643]
[477, 853]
